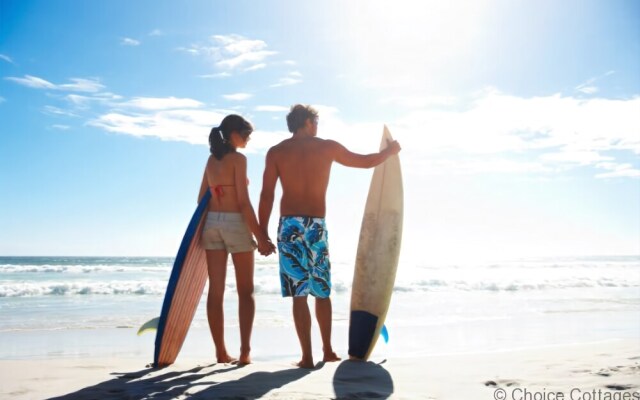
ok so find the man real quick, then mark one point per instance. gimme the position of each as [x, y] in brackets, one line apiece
[303, 164]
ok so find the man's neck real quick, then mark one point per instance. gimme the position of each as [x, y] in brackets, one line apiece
[301, 134]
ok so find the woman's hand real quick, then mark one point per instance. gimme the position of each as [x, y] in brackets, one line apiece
[265, 246]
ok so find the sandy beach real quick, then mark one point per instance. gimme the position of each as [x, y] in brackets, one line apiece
[538, 330]
[603, 370]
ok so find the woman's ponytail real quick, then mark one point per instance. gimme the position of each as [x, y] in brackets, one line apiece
[218, 144]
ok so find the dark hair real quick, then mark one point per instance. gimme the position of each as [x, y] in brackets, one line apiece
[219, 136]
[298, 115]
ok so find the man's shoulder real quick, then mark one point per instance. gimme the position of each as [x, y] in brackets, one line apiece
[292, 145]
[277, 148]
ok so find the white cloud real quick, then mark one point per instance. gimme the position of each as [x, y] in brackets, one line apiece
[256, 67]
[129, 42]
[161, 103]
[82, 85]
[156, 32]
[414, 101]
[625, 170]
[78, 84]
[231, 52]
[79, 100]
[85, 102]
[499, 133]
[272, 108]
[6, 58]
[494, 122]
[586, 89]
[218, 75]
[32, 82]
[61, 127]
[51, 110]
[581, 157]
[190, 125]
[237, 96]
[261, 141]
[589, 87]
[286, 82]
[242, 59]
[292, 78]
[107, 96]
[623, 173]
[488, 132]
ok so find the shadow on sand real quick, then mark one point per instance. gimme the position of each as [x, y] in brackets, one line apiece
[144, 384]
[252, 386]
[362, 380]
[134, 385]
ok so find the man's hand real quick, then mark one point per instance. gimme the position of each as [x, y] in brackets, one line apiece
[393, 147]
[266, 247]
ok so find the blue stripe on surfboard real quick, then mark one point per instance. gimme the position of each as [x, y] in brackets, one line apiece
[176, 270]
[385, 333]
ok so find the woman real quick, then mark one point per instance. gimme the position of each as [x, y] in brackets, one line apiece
[230, 222]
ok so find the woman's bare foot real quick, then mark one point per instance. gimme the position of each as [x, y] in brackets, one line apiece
[330, 357]
[305, 363]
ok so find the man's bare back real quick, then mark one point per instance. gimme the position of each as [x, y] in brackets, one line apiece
[303, 165]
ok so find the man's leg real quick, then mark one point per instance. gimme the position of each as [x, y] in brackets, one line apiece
[302, 319]
[324, 316]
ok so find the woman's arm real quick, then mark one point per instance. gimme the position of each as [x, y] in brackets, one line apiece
[244, 203]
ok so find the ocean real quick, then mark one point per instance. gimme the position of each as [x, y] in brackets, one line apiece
[457, 307]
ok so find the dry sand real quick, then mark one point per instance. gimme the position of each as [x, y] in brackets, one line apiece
[605, 370]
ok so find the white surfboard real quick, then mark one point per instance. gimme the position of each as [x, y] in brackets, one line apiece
[377, 257]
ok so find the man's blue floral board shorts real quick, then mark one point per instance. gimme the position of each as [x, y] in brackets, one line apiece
[304, 257]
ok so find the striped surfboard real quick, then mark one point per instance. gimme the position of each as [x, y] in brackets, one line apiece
[188, 277]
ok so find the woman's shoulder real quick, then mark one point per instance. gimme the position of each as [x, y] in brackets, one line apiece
[236, 157]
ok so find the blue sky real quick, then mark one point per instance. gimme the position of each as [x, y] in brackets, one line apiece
[519, 121]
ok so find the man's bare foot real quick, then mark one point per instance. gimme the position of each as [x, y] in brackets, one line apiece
[305, 363]
[226, 359]
[331, 357]
[244, 359]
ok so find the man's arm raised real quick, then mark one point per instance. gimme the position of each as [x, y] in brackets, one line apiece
[355, 160]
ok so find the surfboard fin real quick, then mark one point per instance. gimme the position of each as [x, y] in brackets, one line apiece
[150, 325]
[384, 333]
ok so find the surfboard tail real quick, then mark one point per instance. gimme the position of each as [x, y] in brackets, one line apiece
[362, 328]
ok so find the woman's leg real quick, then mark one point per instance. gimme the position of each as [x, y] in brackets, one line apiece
[217, 267]
[244, 265]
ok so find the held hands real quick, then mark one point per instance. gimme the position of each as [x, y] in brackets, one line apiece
[265, 246]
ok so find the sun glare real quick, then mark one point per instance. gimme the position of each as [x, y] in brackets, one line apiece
[404, 43]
